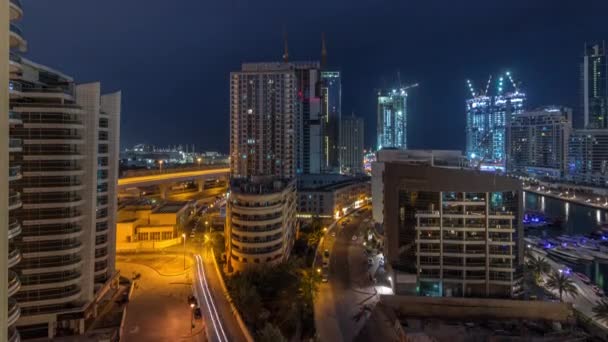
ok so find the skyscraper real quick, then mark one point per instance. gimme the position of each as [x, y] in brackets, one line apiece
[351, 145]
[487, 113]
[68, 159]
[392, 118]
[308, 119]
[264, 101]
[331, 95]
[260, 216]
[594, 79]
[537, 141]
[10, 37]
[63, 165]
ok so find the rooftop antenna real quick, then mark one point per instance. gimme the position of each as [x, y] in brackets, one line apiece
[285, 47]
[323, 51]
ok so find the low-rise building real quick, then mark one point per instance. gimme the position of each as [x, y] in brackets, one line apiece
[261, 221]
[331, 195]
[143, 222]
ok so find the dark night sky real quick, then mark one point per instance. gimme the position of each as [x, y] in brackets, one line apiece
[172, 58]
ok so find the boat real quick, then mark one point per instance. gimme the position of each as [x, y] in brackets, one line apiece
[569, 254]
[537, 249]
[534, 219]
[582, 277]
[597, 291]
[532, 240]
[600, 255]
[566, 238]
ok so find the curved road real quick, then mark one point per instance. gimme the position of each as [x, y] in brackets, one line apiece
[348, 286]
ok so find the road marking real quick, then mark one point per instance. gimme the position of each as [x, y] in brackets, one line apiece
[209, 300]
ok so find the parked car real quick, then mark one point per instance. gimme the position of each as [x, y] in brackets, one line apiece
[326, 253]
[197, 313]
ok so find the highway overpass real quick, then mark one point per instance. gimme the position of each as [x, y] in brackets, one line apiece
[167, 178]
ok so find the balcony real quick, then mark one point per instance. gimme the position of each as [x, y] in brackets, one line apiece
[14, 200]
[16, 40]
[53, 264]
[49, 93]
[14, 173]
[14, 229]
[13, 335]
[14, 256]
[13, 283]
[16, 10]
[53, 249]
[15, 145]
[14, 117]
[13, 312]
[42, 281]
[48, 296]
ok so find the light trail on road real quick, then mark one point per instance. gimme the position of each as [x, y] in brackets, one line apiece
[204, 286]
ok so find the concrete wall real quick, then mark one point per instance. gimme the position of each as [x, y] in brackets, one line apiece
[476, 308]
[145, 246]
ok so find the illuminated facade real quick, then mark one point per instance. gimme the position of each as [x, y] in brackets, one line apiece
[260, 222]
[594, 79]
[486, 121]
[588, 156]
[351, 145]
[392, 119]
[537, 142]
[263, 120]
[451, 232]
[331, 111]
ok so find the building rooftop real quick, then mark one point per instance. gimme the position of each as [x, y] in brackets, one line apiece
[170, 208]
[259, 185]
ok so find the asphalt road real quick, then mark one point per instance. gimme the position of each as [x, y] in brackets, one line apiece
[348, 287]
[221, 324]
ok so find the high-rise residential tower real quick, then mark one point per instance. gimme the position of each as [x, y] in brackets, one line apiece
[68, 161]
[537, 142]
[392, 118]
[264, 101]
[594, 80]
[351, 145]
[260, 216]
[12, 42]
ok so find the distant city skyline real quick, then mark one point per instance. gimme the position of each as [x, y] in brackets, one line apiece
[438, 53]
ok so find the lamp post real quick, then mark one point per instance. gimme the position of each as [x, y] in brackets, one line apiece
[160, 166]
[191, 317]
[184, 237]
[199, 160]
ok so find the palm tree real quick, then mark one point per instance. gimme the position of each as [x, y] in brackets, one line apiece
[600, 311]
[537, 266]
[561, 283]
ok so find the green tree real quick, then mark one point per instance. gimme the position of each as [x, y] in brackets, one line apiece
[600, 310]
[308, 287]
[537, 266]
[246, 298]
[270, 333]
[313, 239]
[560, 282]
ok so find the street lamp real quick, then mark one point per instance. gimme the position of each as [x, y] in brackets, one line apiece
[191, 317]
[160, 166]
[184, 237]
[199, 160]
